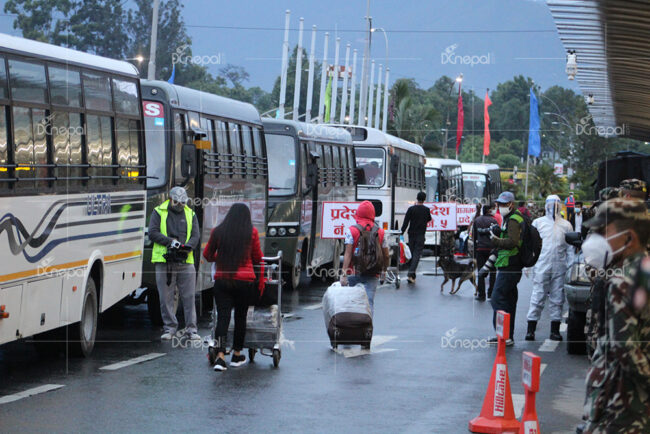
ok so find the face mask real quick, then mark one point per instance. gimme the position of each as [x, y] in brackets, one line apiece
[493, 211]
[597, 251]
[504, 210]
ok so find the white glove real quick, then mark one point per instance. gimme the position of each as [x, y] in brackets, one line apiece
[175, 244]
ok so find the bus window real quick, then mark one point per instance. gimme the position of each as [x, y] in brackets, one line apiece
[336, 162]
[27, 81]
[248, 149]
[282, 164]
[474, 187]
[194, 121]
[60, 122]
[352, 164]
[126, 97]
[257, 142]
[4, 150]
[327, 164]
[179, 139]
[97, 92]
[3, 80]
[30, 147]
[345, 167]
[65, 86]
[372, 161]
[100, 149]
[156, 138]
[221, 134]
[127, 150]
[432, 184]
[107, 149]
[235, 149]
[206, 125]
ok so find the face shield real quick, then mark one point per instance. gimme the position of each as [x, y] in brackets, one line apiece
[553, 206]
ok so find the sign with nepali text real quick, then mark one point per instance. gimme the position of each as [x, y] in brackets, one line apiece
[336, 217]
[465, 214]
[443, 216]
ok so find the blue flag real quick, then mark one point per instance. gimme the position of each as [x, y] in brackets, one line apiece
[171, 79]
[534, 146]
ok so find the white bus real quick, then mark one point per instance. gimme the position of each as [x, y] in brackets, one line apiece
[72, 193]
[481, 182]
[444, 183]
[382, 156]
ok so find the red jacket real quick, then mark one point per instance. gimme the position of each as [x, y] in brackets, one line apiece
[245, 271]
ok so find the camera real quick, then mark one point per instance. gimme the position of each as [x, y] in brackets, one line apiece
[177, 252]
[488, 267]
[496, 229]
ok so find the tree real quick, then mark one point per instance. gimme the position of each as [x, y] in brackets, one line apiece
[97, 26]
[235, 74]
[35, 18]
[545, 180]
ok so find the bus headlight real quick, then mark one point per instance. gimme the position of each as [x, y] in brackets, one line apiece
[282, 232]
[292, 231]
[273, 232]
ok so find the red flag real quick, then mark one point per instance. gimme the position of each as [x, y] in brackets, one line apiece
[461, 118]
[486, 121]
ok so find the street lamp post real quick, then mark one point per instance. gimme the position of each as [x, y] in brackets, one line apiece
[459, 79]
[385, 106]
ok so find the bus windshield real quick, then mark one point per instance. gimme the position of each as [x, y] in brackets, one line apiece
[431, 176]
[474, 186]
[372, 161]
[154, 127]
[281, 152]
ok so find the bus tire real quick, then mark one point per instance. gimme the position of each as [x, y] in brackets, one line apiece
[333, 272]
[293, 277]
[153, 306]
[83, 332]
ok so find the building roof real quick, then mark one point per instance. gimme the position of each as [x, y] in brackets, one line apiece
[27, 47]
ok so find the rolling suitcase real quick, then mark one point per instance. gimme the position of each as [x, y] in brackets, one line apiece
[348, 316]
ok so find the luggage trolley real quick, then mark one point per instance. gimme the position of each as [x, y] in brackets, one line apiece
[392, 272]
[263, 324]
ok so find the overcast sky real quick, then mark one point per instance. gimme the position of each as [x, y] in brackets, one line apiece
[426, 37]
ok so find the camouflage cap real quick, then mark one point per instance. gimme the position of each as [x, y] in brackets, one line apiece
[608, 193]
[633, 184]
[619, 209]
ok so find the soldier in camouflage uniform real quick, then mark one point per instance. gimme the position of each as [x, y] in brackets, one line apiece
[633, 188]
[618, 381]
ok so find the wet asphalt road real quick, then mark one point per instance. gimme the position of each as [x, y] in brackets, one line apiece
[418, 378]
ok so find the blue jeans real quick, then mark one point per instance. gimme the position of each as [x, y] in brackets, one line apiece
[505, 295]
[369, 283]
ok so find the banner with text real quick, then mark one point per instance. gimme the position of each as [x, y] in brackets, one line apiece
[336, 217]
[465, 214]
[443, 216]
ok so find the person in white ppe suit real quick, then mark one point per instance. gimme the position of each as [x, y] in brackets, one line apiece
[548, 272]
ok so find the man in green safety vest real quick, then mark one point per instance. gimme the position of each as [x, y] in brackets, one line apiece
[508, 262]
[174, 230]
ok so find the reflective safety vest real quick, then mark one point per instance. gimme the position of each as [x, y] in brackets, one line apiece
[503, 256]
[159, 251]
[570, 202]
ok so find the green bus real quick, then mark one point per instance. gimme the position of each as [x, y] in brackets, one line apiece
[308, 164]
[210, 145]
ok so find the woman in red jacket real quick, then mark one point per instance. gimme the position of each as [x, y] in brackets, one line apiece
[235, 247]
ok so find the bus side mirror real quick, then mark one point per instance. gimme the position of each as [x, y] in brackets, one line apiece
[394, 164]
[360, 176]
[188, 161]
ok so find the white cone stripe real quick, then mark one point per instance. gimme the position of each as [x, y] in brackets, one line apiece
[124, 364]
[549, 346]
[518, 401]
[29, 392]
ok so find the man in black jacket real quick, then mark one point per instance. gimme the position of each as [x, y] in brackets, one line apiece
[483, 246]
[416, 219]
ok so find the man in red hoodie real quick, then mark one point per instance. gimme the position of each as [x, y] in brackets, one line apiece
[365, 217]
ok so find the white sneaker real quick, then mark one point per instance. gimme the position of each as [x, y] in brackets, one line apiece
[167, 336]
[509, 342]
[194, 336]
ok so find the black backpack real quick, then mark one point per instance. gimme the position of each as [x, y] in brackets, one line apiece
[369, 255]
[531, 244]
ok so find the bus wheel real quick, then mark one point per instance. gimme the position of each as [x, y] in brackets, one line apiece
[295, 272]
[333, 272]
[83, 333]
[153, 306]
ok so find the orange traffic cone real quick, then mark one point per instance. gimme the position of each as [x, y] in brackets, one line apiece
[531, 365]
[498, 414]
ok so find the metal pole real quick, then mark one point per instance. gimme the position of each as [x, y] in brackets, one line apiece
[344, 95]
[371, 93]
[378, 103]
[310, 77]
[353, 87]
[151, 71]
[296, 88]
[335, 80]
[283, 73]
[526, 188]
[364, 69]
[384, 121]
[323, 79]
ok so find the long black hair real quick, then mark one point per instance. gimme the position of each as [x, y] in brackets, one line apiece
[233, 238]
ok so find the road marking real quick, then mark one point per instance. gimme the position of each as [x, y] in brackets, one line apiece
[563, 327]
[374, 344]
[542, 368]
[124, 364]
[518, 402]
[549, 346]
[314, 306]
[29, 392]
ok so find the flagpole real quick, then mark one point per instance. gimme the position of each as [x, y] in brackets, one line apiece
[310, 78]
[296, 88]
[285, 57]
[323, 79]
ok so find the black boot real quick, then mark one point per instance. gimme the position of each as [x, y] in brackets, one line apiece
[555, 331]
[530, 334]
